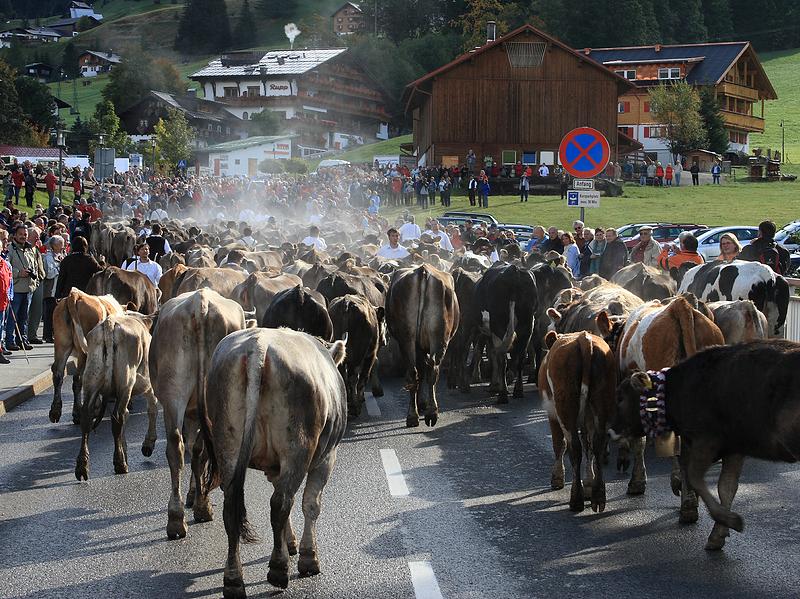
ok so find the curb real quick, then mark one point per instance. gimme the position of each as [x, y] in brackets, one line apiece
[22, 393]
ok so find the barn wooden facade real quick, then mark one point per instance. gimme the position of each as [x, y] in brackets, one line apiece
[512, 99]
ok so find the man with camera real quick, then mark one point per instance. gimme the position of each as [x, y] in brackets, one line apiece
[27, 270]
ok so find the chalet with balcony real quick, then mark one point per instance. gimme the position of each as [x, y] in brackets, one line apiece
[732, 69]
[92, 62]
[211, 122]
[327, 102]
[28, 36]
[348, 19]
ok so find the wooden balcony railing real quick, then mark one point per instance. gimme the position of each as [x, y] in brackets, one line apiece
[738, 91]
[743, 121]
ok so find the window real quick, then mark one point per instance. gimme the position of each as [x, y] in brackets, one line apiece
[671, 73]
[647, 106]
[236, 161]
[231, 92]
[546, 157]
[509, 157]
[626, 131]
[627, 73]
[623, 107]
[244, 116]
[253, 90]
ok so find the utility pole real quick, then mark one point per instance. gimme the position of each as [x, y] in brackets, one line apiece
[376, 18]
[783, 143]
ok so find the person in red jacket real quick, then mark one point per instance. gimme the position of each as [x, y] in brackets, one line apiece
[51, 183]
[18, 178]
[6, 292]
[660, 174]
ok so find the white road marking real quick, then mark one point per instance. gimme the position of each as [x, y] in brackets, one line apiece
[372, 407]
[394, 474]
[424, 581]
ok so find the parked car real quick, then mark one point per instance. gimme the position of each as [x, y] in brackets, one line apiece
[460, 220]
[473, 215]
[789, 236]
[522, 233]
[625, 232]
[708, 242]
[666, 232]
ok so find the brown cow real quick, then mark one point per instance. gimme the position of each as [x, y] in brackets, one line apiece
[423, 314]
[116, 368]
[73, 316]
[577, 381]
[740, 321]
[221, 280]
[129, 287]
[257, 291]
[166, 284]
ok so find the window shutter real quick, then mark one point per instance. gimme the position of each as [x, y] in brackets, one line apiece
[647, 131]
[627, 106]
[647, 106]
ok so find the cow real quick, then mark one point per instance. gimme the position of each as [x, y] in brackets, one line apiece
[577, 311]
[73, 316]
[577, 382]
[740, 280]
[422, 314]
[459, 373]
[130, 288]
[221, 280]
[365, 327]
[301, 309]
[277, 403]
[186, 332]
[339, 283]
[706, 399]
[116, 369]
[740, 321]
[645, 281]
[166, 284]
[257, 290]
[657, 336]
[506, 300]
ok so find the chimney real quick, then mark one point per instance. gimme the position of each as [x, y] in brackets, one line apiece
[491, 31]
[110, 53]
[587, 51]
[658, 47]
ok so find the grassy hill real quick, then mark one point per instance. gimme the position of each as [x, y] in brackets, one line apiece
[783, 69]
[366, 153]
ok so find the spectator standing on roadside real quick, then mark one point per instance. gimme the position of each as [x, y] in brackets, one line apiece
[27, 271]
[765, 250]
[615, 255]
[586, 252]
[668, 172]
[677, 173]
[524, 188]
[76, 269]
[695, 170]
[30, 187]
[729, 247]
[52, 265]
[716, 173]
[18, 179]
[536, 241]
[6, 293]
[572, 254]
[51, 183]
[643, 174]
[660, 174]
[553, 242]
[648, 250]
[686, 254]
[651, 173]
[472, 190]
[36, 298]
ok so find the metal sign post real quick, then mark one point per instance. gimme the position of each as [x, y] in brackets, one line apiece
[584, 153]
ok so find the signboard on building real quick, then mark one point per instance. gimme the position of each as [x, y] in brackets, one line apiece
[281, 149]
[277, 88]
[135, 160]
[409, 162]
[583, 199]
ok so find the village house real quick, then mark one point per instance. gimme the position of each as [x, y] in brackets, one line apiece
[82, 9]
[732, 69]
[69, 27]
[241, 158]
[547, 88]
[40, 71]
[29, 36]
[92, 62]
[325, 99]
[348, 19]
[210, 121]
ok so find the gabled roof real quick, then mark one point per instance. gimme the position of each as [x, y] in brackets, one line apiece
[71, 21]
[711, 60]
[295, 62]
[77, 4]
[414, 85]
[107, 56]
[346, 4]
[32, 31]
[243, 144]
[192, 106]
[28, 152]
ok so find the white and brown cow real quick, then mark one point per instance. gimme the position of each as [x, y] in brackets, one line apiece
[575, 310]
[658, 335]
[740, 280]
[73, 317]
[187, 331]
[422, 313]
[116, 369]
[276, 403]
[577, 381]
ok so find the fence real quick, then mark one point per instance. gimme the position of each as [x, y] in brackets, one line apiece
[792, 328]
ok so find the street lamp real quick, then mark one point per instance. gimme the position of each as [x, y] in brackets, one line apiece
[60, 144]
[783, 143]
[153, 145]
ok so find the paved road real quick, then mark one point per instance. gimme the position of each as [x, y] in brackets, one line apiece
[479, 520]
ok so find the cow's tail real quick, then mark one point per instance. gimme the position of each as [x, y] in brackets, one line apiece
[586, 348]
[79, 337]
[423, 290]
[210, 473]
[508, 337]
[686, 323]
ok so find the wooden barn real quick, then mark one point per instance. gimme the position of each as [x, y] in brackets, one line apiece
[512, 99]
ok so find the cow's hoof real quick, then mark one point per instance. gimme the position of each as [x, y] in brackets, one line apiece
[636, 487]
[308, 565]
[557, 482]
[291, 547]
[716, 540]
[189, 499]
[278, 578]
[576, 505]
[55, 414]
[688, 514]
[234, 589]
[120, 468]
[675, 483]
[82, 471]
[431, 419]
[203, 512]
[598, 500]
[518, 393]
[412, 421]
[147, 448]
[176, 528]
[377, 392]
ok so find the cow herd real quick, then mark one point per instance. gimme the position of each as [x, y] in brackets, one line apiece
[259, 358]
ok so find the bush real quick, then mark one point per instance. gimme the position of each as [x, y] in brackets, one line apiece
[296, 166]
[271, 166]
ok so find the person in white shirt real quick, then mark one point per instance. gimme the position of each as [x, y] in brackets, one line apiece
[444, 240]
[248, 238]
[410, 230]
[393, 250]
[314, 239]
[144, 265]
[157, 213]
[544, 171]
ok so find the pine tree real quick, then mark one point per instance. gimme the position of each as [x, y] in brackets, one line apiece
[14, 128]
[718, 20]
[204, 27]
[716, 134]
[685, 22]
[279, 9]
[244, 35]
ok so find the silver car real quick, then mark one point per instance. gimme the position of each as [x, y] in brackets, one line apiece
[708, 242]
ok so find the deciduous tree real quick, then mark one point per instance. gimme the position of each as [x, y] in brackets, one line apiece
[676, 107]
[106, 121]
[173, 138]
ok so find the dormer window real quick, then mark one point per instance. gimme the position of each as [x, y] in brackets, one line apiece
[670, 73]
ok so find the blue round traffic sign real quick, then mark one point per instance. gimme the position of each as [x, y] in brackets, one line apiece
[584, 152]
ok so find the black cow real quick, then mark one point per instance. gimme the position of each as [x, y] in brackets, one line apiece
[550, 282]
[507, 301]
[301, 309]
[706, 402]
[458, 373]
[365, 327]
[740, 280]
[338, 284]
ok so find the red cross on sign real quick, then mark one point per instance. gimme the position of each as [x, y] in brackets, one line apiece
[584, 152]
